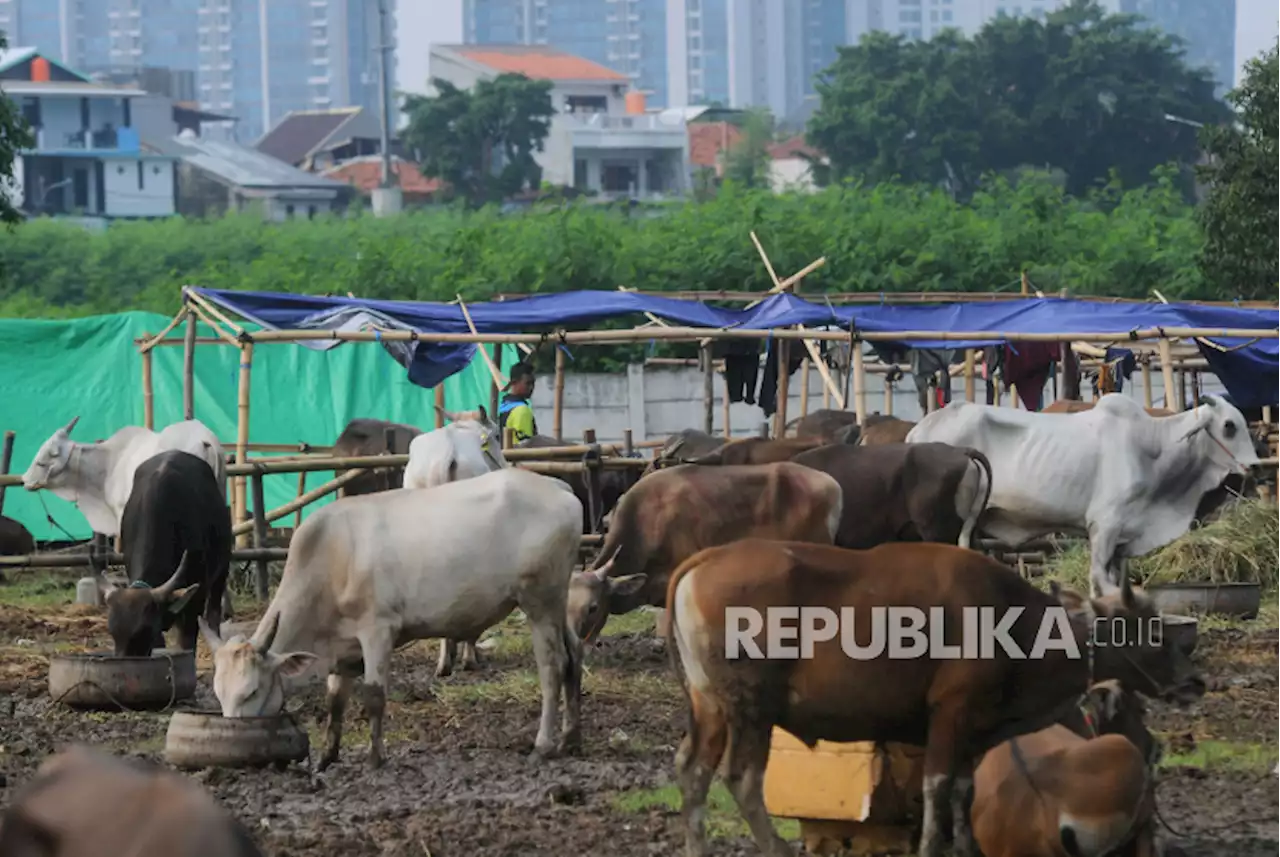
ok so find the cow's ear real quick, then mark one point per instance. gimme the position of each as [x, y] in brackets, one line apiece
[624, 592]
[293, 663]
[210, 635]
[1106, 697]
[182, 597]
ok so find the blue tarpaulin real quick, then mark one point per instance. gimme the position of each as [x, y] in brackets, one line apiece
[1250, 369]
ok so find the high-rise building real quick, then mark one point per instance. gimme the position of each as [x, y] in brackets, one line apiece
[73, 32]
[260, 60]
[1208, 27]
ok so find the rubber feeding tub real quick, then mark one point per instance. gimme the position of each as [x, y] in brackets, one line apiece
[103, 680]
[206, 739]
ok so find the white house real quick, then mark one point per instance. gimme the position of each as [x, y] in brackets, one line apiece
[87, 159]
[601, 138]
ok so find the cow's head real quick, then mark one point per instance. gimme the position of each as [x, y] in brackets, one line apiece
[477, 424]
[1112, 711]
[594, 595]
[1126, 635]
[52, 460]
[1227, 440]
[248, 678]
[135, 613]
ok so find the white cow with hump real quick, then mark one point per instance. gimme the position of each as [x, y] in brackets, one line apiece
[98, 477]
[469, 446]
[368, 574]
[1128, 481]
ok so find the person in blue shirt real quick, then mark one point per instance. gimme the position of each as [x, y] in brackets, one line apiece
[515, 411]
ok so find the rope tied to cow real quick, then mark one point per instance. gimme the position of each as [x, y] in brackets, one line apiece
[49, 517]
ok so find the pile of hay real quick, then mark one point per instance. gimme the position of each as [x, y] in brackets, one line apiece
[1240, 546]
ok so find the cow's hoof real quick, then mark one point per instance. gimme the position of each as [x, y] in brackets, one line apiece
[443, 672]
[544, 751]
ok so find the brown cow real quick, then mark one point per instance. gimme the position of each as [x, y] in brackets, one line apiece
[676, 512]
[687, 443]
[829, 425]
[1056, 793]
[369, 437]
[613, 483]
[756, 450]
[881, 430]
[955, 707]
[1072, 406]
[15, 539]
[84, 803]
[905, 491]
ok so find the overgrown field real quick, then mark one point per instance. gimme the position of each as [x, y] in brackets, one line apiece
[887, 238]
[458, 781]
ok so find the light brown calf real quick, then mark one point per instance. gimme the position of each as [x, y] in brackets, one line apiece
[881, 430]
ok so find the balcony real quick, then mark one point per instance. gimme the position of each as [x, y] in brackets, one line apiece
[87, 141]
[624, 131]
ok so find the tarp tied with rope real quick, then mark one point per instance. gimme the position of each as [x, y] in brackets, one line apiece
[1250, 369]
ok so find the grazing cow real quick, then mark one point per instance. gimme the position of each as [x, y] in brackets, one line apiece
[176, 518]
[905, 492]
[955, 707]
[366, 575]
[15, 539]
[613, 483]
[680, 510]
[756, 450]
[828, 425]
[1055, 793]
[882, 430]
[85, 803]
[1128, 481]
[369, 437]
[689, 443]
[467, 447]
[98, 477]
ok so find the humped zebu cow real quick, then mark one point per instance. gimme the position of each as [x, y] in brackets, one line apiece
[468, 446]
[1057, 793]
[687, 443]
[366, 575]
[1128, 481]
[905, 492]
[177, 553]
[828, 425]
[363, 436]
[1073, 406]
[677, 511]
[613, 483]
[955, 707]
[86, 803]
[98, 477]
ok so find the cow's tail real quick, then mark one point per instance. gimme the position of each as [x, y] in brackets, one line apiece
[975, 512]
[673, 652]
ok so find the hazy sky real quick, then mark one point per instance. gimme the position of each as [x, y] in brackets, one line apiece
[1257, 23]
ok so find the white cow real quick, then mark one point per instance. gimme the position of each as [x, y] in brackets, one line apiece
[368, 574]
[469, 446]
[1128, 481]
[98, 477]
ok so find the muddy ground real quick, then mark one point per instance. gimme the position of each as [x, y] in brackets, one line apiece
[458, 780]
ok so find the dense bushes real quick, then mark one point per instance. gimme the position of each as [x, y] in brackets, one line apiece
[887, 238]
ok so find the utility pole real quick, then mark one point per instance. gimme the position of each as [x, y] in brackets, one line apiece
[387, 198]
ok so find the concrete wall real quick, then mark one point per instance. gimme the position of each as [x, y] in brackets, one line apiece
[657, 401]
[127, 196]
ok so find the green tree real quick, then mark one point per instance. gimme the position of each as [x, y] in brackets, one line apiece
[15, 135]
[1083, 91]
[480, 142]
[1239, 216]
[747, 161]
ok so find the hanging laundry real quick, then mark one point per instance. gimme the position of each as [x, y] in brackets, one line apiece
[992, 364]
[932, 365]
[1027, 366]
[741, 366]
[768, 396]
[1122, 363]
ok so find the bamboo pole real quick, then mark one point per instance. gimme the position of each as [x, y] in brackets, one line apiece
[726, 406]
[148, 393]
[488, 361]
[859, 384]
[242, 429]
[970, 392]
[213, 311]
[222, 334]
[189, 368]
[888, 396]
[1166, 370]
[296, 505]
[708, 389]
[826, 397]
[495, 394]
[150, 342]
[1024, 283]
[557, 414]
[262, 578]
[784, 389]
[439, 404]
[508, 438]
[804, 387]
[6, 459]
[302, 492]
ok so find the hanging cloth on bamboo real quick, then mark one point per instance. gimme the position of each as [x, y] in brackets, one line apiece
[932, 364]
[1122, 363]
[992, 363]
[1026, 366]
[768, 395]
[741, 366]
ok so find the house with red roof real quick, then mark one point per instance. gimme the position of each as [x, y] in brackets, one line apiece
[602, 138]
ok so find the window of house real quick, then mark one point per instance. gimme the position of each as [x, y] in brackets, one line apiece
[580, 173]
[695, 43]
[946, 14]
[31, 111]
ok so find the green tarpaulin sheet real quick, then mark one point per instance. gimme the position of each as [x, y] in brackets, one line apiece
[51, 371]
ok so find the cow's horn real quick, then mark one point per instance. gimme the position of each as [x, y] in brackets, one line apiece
[69, 426]
[165, 592]
[265, 646]
[602, 571]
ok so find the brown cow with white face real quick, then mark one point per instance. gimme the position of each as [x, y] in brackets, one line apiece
[955, 707]
[84, 803]
[676, 512]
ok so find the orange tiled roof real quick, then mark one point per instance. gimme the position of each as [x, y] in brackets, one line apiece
[365, 173]
[708, 141]
[538, 62]
[793, 147]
